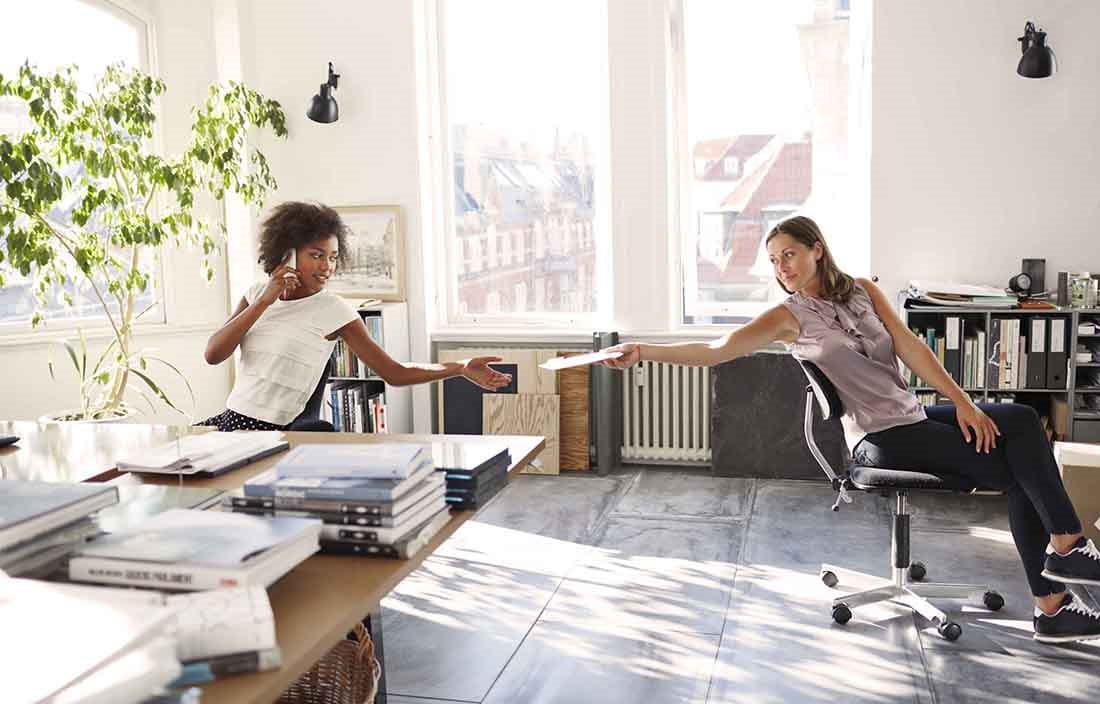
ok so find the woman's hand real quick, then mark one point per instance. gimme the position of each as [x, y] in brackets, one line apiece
[283, 281]
[478, 371]
[632, 354]
[973, 421]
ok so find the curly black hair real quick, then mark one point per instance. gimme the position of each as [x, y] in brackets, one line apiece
[295, 223]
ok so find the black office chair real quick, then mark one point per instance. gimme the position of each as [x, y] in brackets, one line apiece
[906, 588]
[310, 417]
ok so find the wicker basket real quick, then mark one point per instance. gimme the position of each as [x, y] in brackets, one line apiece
[347, 674]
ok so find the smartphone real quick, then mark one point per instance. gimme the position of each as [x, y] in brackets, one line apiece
[290, 259]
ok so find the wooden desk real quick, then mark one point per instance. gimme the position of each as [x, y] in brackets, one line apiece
[319, 601]
[73, 452]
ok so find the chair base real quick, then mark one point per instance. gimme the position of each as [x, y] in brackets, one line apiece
[913, 595]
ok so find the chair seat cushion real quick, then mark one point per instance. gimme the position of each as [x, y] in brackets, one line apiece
[873, 478]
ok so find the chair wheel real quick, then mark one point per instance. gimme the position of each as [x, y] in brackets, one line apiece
[842, 614]
[917, 571]
[950, 630]
[993, 601]
[829, 578]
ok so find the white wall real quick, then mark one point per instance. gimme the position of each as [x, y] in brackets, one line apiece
[973, 167]
[194, 309]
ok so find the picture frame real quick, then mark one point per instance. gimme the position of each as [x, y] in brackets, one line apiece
[376, 253]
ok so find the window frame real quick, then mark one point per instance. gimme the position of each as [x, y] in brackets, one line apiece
[449, 264]
[682, 168]
[96, 327]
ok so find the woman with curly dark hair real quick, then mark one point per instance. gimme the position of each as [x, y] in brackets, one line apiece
[287, 326]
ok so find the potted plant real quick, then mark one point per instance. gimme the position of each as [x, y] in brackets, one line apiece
[86, 203]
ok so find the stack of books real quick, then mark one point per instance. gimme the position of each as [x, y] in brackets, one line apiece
[379, 500]
[190, 550]
[41, 523]
[474, 473]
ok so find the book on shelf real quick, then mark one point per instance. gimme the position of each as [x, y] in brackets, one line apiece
[353, 409]
[206, 454]
[354, 461]
[382, 511]
[30, 508]
[402, 549]
[1057, 361]
[187, 550]
[209, 669]
[64, 636]
[269, 484]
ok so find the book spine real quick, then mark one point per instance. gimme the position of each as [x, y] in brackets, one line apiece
[130, 573]
[239, 663]
[333, 547]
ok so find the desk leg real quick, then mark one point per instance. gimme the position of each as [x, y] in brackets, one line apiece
[373, 623]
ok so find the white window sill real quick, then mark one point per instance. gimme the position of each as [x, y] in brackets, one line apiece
[25, 337]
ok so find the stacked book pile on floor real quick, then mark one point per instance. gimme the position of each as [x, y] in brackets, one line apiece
[41, 523]
[474, 473]
[380, 500]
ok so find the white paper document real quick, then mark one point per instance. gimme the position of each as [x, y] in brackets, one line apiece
[578, 360]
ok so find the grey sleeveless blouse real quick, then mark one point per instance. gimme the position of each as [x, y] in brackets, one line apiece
[852, 346]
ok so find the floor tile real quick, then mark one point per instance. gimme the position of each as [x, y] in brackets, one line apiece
[935, 510]
[398, 699]
[666, 492]
[987, 556]
[537, 524]
[654, 575]
[972, 677]
[571, 663]
[781, 645]
[451, 626]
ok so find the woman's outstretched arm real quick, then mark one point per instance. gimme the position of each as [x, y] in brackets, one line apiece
[774, 325]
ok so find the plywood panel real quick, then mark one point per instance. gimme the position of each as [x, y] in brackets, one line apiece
[529, 379]
[573, 422]
[526, 414]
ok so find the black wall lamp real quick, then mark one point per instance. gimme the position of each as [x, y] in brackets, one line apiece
[323, 107]
[1038, 59]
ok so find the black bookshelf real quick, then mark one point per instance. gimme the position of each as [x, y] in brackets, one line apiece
[1078, 399]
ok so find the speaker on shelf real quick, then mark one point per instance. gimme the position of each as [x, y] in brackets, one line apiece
[1037, 270]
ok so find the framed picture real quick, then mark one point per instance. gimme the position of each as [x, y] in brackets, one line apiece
[376, 256]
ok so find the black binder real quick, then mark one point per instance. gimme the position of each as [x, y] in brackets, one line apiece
[1037, 352]
[952, 351]
[1056, 355]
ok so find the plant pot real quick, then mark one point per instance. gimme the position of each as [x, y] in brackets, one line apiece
[65, 417]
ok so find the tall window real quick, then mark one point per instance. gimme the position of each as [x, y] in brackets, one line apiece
[773, 115]
[52, 33]
[525, 91]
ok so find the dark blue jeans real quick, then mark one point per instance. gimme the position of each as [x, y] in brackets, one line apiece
[1022, 465]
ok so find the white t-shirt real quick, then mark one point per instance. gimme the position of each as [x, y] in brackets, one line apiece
[284, 354]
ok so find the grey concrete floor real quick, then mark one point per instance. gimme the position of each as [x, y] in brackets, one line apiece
[657, 585]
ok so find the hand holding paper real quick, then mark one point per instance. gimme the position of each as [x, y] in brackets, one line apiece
[579, 360]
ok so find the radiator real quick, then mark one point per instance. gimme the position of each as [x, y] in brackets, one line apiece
[666, 413]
